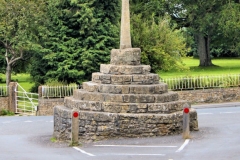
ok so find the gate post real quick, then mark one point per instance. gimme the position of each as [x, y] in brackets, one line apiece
[12, 97]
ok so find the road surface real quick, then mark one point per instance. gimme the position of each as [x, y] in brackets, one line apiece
[29, 138]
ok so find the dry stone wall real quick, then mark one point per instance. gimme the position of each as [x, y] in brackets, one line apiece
[4, 103]
[219, 95]
[45, 106]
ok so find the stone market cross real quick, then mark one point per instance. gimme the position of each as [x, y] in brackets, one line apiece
[123, 100]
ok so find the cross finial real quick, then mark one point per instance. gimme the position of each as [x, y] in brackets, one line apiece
[125, 37]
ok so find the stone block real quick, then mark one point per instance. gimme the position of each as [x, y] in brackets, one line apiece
[87, 96]
[124, 69]
[121, 79]
[168, 107]
[83, 105]
[90, 86]
[166, 97]
[146, 79]
[97, 116]
[128, 56]
[113, 98]
[141, 98]
[101, 78]
[112, 107]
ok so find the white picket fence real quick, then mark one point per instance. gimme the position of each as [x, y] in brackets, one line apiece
[58, 91]
[177, 83]
[203, 82]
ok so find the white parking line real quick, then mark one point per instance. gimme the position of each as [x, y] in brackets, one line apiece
[137, 146]
[204, 113]
[127, 154]
[84, 152]
[49, 121]
[184, 145]
[28, 121]
[228, 112]
[7, 122]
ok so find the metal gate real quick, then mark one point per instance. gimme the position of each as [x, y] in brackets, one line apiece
[26, 102]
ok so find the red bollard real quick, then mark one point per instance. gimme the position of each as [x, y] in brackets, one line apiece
[75, 127]
[186, 117]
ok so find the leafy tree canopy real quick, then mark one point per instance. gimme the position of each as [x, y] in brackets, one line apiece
[21, 29]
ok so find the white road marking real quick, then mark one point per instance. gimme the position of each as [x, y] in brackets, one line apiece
[7, 122]
[49, 121]
[137, 146]
[204, 113]
[84, 152]
[228, 112]
[127, 154]
[28, 121]
[184, 145]
[220, 113]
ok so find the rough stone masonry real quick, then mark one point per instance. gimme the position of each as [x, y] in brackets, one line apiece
[123, 100]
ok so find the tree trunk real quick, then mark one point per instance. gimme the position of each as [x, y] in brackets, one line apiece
[8, 74]
[203, 43]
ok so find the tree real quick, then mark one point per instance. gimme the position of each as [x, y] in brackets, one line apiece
[147, 8]
[202, 17]
[82, 33]
[161, 43]
[229, 24]
[162, 46]
[21, 29]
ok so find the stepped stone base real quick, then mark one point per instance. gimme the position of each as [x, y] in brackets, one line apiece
[123, 100]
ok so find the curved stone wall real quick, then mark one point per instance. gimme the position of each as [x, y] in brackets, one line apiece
[103, 125]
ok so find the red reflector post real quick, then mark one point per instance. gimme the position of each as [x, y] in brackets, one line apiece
[75, 114]
[186, 121]
[75, 127]
[186, 110]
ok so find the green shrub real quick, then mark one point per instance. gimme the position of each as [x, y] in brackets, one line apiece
[5, 112]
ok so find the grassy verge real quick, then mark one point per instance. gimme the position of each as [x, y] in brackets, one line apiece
[222, 66]
[23, 79]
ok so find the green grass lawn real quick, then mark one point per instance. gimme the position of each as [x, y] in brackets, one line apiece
[222, 66]
[23, 79]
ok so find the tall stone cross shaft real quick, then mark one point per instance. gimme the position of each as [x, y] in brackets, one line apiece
[125, 37]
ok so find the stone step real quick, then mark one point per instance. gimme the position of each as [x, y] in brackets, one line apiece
[124, 69]
[128, 56]
[81, 94]
[111, 107]
[145, 79]
[125, 89]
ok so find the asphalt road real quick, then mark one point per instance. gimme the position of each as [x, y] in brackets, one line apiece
[28, 138]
